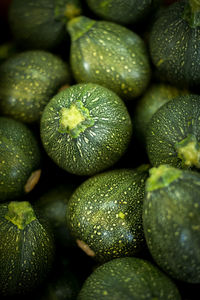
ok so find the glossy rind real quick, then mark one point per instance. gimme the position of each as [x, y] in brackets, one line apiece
[96, 143]
[109, 54]
[105, 213]
[171, 218]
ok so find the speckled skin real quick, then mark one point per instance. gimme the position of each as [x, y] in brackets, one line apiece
[109, 54]
[105, 212]
[171, 218]
[170, 124]
[174, 47]
[40, 24]
[128, 278]
[154, 97]
[27, 82]
[19, 157]
[26, 255]
[98, 146]
[124, 12]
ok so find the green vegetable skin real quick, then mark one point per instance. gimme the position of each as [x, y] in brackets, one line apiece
[171, 221]
[85, 128]
[104, 214]
[100, 58]
[154, 97]
[174, 43]
[121, 11]
[28, 80]
[52, 206]
[173, 134]
[110, 55]
[26, 250]
[40, 24]
[20, 159]
[128, 278]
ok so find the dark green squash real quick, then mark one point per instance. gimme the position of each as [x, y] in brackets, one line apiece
[52, 206]
[174, 43]
[171, 220]
[20, 159]
[85, 128]
[27, 82]
[124, 12]
[110, 55]
[128, 278]
[104, 213]
[26, 250]
[173, 135]
[154, 97]
[40, 24]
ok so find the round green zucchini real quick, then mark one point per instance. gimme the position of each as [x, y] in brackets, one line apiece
[26, 250]
[20, 159]
[109, 54]
[171, 221]
[128, 278]
[40, 24]
[104, 214]
[52, 206]
[121, 11]
[85, 128]
[154, 97]
[27, 82]
[174, 43]
[173, 135]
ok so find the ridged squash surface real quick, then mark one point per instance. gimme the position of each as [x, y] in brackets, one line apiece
[26, 250]
[171, 221]
[173, 134]
[85, 128]
[109, 54]
[174, 44]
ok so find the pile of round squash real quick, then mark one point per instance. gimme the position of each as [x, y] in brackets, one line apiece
[100, 149]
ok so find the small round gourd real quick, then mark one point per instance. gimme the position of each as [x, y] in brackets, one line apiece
[20, 159]
[85, 128]
[40, 24]
[27, 82]
[122, 12]
[26, 250]
[173, 135]
[109, 54]
[171, 221]
[104, 214]
[128, 278]
[174, 44]
[154, 97]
